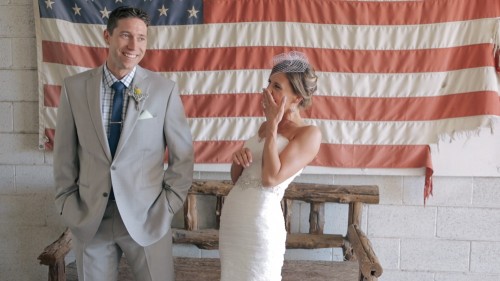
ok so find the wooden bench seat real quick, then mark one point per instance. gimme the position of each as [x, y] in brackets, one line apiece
[360, 262]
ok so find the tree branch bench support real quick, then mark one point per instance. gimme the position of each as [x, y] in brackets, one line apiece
[360, 264]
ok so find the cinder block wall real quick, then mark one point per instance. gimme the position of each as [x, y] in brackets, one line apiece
[456, 237]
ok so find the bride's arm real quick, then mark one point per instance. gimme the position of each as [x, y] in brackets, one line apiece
[277, 167]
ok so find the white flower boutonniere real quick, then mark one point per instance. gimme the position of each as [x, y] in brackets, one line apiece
[138, 95]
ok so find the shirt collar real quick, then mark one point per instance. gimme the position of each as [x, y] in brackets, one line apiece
[109, 78]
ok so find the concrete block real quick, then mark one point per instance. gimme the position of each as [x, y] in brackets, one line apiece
[206, 210]
[413, 190]
[304, 217]
[434, 255]
[485, 257]
[398, 221]
[27, 209]
[7, 179]
[20, 149]
[7, 117]
[336, 217]
[469, 224]
[24, 53]
[18, 255]
[6, 54]
[16, 2]
[387, 251]
[34, 179]
[296, 217]
[364, 219]
[315, 178]
[447, 191]
[215, 175]
[17, 21]
[449, 276]
[185, 250]
[390, 187]
[26, 117]
[214, 254]
[486, 192]
[392, 275]
[18, 85]
[309, 254]
[49, 157]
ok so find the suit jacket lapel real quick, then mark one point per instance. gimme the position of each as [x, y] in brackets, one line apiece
[133, 110]
[93, 89]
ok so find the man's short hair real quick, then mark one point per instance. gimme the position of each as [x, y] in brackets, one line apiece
[124, 12]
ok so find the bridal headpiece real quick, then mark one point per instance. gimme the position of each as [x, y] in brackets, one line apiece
[290, 62]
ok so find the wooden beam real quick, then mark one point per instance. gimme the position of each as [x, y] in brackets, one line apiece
[333, 193]
[286, 207]
[355, 213]
[301, 191]
[56, 251]
[317, 218]
[190, 213]
[209, 239]
[218, 210]
[369, 265]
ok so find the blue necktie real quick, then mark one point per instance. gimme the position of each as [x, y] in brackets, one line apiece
[115, 124]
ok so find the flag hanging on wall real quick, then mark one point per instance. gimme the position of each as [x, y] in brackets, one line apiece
[393, 76]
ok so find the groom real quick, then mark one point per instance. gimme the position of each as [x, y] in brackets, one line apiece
[113, 126]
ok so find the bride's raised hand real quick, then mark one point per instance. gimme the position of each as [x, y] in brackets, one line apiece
[242, 157]
[273, 111]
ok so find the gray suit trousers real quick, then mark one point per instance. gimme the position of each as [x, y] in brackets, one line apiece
[99, 258]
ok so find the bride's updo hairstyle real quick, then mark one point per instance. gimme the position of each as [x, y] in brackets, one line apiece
[299, 72]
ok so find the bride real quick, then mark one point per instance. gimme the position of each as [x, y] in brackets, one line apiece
[252, 231]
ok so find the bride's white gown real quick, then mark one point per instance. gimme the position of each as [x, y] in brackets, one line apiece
[252, 230]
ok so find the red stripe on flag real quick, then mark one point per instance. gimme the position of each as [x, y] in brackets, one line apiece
[348, 12]
[49, 134]
[326, 60]
[51, 95]
[352, 61]
[330, 155]
[404, 109]
[222, 105]
[351, 108]
[215, 151]
[71, 54]
[371, 156]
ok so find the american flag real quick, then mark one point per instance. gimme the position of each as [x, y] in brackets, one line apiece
[393, 76]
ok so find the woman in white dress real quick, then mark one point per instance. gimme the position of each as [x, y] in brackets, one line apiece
[252, 231]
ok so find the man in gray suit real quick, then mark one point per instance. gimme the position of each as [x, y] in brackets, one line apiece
[114, 125]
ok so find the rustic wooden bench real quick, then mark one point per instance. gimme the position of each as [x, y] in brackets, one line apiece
[360, 262]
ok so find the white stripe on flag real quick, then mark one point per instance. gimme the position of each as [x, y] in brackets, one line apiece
[328, 36]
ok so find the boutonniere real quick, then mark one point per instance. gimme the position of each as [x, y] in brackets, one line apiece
[138, 95]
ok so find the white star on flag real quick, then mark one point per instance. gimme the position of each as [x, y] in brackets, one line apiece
[193, 12]
[77, 9]
[49, 4]
[105, 13]
[163, 11]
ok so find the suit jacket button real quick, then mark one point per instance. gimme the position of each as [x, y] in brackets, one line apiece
[105, 194]
[113, 168]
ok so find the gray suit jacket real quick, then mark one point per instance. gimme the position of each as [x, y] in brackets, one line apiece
[147, 196]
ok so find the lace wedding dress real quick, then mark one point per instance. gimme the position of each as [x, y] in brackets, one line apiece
[252, 230]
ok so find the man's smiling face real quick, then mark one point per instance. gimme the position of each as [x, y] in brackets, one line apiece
[127, 45]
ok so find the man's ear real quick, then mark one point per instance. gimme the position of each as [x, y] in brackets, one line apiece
[106, 36]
